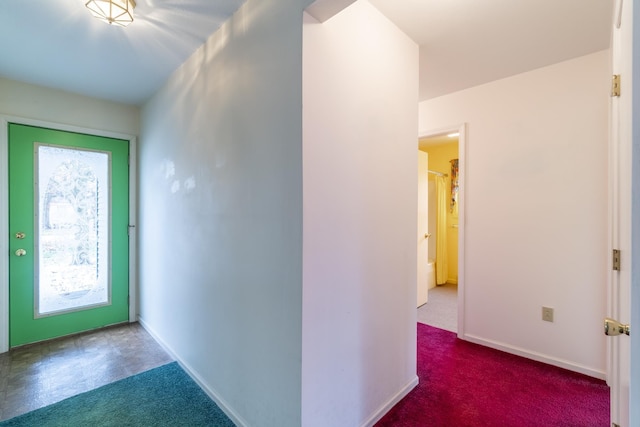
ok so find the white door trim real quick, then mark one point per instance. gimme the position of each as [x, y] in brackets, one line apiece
[622, 231]
[4, 213]
[462, 154]
[634, 380]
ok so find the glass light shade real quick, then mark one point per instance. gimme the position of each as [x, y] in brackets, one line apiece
[114, 12]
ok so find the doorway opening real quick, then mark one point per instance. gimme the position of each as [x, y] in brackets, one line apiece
[21, 253]
[443, 265]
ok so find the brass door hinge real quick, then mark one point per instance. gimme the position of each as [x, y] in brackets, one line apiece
[615, 85]
[616, 260]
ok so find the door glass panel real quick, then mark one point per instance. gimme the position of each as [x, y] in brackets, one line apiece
[72, 229]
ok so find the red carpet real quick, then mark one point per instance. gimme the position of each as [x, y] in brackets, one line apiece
[465, 384]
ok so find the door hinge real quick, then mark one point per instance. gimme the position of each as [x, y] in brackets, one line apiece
[616, 260]
[615, 85]
[129, 227]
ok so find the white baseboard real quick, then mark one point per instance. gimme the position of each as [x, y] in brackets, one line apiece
[377, 415]
[539, 357]
[237, 420]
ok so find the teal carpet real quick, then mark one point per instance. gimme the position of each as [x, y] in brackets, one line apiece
[164, 396]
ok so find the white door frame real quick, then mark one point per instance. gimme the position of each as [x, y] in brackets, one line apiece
[634, 380]
[4, 213]
[624, 204]
[462, 154]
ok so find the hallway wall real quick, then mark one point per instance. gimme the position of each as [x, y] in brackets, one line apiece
[360, 217]
[222, 226]
[221, 214]
[536, 209]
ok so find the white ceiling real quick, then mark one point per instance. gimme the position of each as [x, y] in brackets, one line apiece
[57, 43]
[463, 43]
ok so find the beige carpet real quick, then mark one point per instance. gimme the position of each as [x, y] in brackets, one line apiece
[441, 309]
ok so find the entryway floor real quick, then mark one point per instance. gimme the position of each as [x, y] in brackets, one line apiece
[37, 375]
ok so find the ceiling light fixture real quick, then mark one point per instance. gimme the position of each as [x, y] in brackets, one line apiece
[114, 12]
[454, 134]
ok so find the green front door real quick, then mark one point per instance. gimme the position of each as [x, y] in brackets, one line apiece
[68, 231]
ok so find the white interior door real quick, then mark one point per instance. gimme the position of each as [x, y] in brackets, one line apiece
[619, 349]
[423, 227]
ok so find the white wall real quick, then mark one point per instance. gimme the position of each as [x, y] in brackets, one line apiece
[360, 217]
[56, 106]
[536, 213]
[221, 214]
